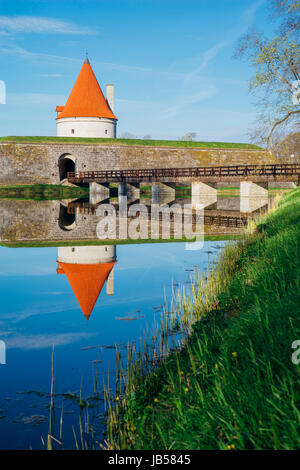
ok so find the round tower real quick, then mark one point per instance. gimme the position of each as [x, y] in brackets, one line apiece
[97, 254]
[87, 113]
[87, 268]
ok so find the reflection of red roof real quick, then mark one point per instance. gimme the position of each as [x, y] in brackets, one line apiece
[86, 98]
[86, 281]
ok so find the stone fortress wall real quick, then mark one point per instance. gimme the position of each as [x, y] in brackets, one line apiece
[48, 163]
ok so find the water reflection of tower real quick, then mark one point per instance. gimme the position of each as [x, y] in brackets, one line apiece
[87, 268]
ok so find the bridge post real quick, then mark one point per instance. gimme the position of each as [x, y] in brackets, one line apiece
[98, 192]
[132, 191]
[253, 196]
[122, 196]
[163, 193]
[203, 195]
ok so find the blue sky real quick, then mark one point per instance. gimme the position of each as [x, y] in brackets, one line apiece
[171, 62]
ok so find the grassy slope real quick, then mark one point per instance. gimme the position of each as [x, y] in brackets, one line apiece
[233, 385]
[155, 143]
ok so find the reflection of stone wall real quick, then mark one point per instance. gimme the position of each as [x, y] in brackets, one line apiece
[26, 220]
[47, 221]
[38, 163]
[228, 203]
[34, 220]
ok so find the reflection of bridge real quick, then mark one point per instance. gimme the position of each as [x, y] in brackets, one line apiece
[221, 218]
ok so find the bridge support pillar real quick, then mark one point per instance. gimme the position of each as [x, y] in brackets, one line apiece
[253, 196]
[131, 191]
[249, 189]
[98, 192]
[163, 193]
[203, 195]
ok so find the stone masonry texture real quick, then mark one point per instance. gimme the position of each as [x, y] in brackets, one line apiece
[24, 163]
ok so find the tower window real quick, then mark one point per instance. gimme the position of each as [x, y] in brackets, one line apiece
[72, 131]
[105, 131]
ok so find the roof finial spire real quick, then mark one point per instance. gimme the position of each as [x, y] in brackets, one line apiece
[86, 58]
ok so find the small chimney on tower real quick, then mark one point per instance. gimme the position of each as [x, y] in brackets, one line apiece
[110, 283]
[110, 96]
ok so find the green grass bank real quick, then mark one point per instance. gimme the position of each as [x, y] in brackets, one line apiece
[127, 142]
[233, 384]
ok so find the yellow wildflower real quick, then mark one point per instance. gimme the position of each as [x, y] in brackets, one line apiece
[156, 400]
[234, 354]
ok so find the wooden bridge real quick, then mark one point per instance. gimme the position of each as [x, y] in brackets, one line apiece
[254, 173]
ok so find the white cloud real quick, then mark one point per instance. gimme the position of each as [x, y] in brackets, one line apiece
[53, 293]
[45, 341]
[51, 75]
[249, 14]
[35, 99]
[15, 50]
[246, 19]
[206, 58]
[39, 25]
[183, 101]
[210, 54]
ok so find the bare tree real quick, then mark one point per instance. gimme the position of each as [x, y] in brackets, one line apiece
[288, 10]
[276, 82]
[127, 135]
[286, 148]
[190, 136]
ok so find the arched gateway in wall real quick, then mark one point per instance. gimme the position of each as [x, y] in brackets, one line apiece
[66, 221]
[66, 163]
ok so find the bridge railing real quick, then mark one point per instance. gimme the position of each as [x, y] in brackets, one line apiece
[160, 173]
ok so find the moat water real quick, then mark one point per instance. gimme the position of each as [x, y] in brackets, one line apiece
[45, 305]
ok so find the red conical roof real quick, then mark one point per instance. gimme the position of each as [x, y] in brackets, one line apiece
[86, 98]
[86, 281]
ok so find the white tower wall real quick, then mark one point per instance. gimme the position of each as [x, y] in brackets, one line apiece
[87, 127]
[87, 254]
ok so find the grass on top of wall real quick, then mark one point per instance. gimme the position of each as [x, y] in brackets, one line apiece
[128, 142]
[89, 242]
[41, 192]
[233, 384]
